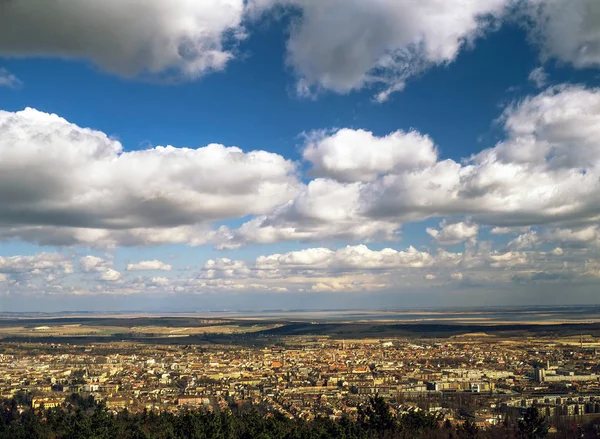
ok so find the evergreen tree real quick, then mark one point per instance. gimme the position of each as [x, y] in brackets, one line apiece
[533, 425]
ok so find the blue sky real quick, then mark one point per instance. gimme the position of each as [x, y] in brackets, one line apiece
[390, 154]
[252, 103]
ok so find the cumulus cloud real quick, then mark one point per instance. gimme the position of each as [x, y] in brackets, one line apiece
[110, 275]
[127, 37]
[159, 281]
[526, 240]
[453, 233]
[35, 264]
[546, 171]
[342, 46]
[508, 259]
[583, 237]
[149, 266]
[359, 268]
[94, 264]
[352, 268]
[334, 45]
[38, 272]
[323, 209]
[566, 30]
[357, 155]
[224, 268]
[555, 130]
[82, 187]
[348, 258]
[312, 257]
[345, 45]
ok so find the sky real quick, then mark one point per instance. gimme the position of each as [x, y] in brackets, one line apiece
[293, 154]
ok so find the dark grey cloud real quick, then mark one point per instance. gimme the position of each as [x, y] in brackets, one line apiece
[128, 37]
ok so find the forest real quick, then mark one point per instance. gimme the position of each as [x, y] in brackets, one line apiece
[84, 418]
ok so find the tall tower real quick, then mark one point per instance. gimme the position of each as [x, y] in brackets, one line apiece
[540, 374]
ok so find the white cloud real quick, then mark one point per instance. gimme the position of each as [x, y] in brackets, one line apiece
[82, 187]
[323, 209]
[567, 30]
[526, 240]
[38, 272]
[94, 264]
[546, 171]
[583, 237]
[508, 259]
[348, 258]
[160, 281]
[363, 258]
[7, 79]
[344, 45]
[149, 265]
[224, 268]
[352, 268]
[319, 269]
[301, 258]
[539, 77]
[347, 45]
[335, 45]
[41, 262]
[357, 155]
[110, 275]
[453, 233]
[128, 37]
[508, 230]
[457, 276]
[555, 130]
[358, 268]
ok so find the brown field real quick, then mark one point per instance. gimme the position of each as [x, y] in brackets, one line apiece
[49, 330]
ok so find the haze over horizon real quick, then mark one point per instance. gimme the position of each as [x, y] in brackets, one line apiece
[285, 154]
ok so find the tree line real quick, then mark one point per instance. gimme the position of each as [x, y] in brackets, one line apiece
[83, 418]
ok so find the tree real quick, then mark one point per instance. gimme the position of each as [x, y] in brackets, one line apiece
[468, 430]
[379, 416]
[533, 425]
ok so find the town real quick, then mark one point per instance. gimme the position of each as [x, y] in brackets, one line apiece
[304, 377]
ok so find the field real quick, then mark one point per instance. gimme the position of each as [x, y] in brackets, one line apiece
[191, 330]
[103, 328]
